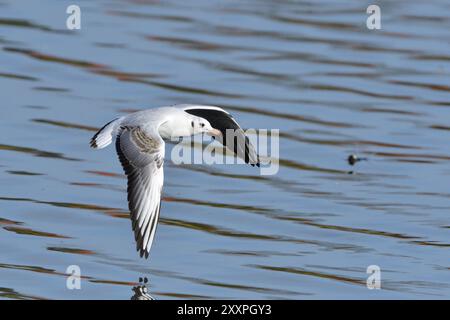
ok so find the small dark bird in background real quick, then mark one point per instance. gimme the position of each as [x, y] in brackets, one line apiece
[353, 158]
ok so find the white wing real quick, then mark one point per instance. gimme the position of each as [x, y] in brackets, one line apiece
[142, 156]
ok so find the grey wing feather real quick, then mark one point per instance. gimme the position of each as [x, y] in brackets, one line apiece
[142, 159]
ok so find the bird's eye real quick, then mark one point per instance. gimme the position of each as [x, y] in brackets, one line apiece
[192, 124]
[202, 124]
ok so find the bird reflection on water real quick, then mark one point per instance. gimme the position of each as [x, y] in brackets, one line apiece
[141, 291]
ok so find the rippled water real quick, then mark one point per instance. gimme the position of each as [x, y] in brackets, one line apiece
[311, 69]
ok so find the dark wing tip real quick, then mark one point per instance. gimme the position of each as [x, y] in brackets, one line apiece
[93, 143]
[139, 246]
[143, 253]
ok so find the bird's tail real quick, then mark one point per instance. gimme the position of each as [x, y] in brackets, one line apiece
[105, 135]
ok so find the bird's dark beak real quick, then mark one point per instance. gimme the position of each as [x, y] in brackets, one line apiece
[214, 132]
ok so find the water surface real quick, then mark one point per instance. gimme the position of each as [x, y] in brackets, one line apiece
[311, 69]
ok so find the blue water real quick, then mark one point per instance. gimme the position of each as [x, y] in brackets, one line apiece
[311, 69]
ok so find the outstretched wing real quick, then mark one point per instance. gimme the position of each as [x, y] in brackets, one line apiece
[234, 139]
[142, 157]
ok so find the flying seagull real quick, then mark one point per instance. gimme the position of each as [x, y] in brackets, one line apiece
[140, 146]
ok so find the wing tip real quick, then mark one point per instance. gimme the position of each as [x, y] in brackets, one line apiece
[143, 253]
[104, 136]
[93, 144]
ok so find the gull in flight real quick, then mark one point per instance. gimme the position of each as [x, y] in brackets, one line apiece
[140, 146]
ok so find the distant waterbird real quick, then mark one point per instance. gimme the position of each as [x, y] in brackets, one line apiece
[353, 159]
[139, 139]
